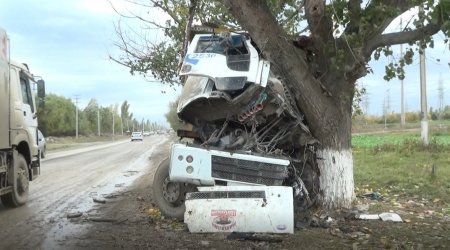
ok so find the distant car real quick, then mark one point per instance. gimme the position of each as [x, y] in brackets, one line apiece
[137, 136]
[146, 133]
[41, 144]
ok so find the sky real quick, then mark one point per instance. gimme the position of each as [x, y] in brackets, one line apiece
[68, 43]
[382, 95]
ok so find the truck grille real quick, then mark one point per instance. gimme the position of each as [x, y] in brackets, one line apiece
[248, 171]
[226, 195]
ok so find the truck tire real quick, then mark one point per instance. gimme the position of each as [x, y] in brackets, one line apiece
[20, 184]
[170, 196]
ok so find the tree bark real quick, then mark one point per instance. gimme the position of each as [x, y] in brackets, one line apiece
[327, 112]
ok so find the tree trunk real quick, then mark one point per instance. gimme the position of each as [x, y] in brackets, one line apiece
[327, 111]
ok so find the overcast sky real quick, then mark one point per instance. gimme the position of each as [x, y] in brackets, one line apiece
[68, 43]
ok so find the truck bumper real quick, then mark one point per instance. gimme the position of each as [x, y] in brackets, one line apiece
[259, 209]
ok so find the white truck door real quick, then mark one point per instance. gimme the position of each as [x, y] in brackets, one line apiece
[29, 112]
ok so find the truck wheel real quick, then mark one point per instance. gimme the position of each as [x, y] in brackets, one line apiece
[170, 196]
[20, 183]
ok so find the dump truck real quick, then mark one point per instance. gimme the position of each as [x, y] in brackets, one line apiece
[19, 155]
[234, 170]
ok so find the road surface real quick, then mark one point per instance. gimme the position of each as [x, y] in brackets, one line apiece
[68, 184]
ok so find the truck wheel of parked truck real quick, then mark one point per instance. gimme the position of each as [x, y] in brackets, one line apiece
[19, 182]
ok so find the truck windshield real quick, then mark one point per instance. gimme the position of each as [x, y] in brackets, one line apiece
[221, 45]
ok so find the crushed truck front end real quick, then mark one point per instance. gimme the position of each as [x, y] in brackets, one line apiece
[243, 124]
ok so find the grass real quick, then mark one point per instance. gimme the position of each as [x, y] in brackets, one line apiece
[61, 143]
[398, 165]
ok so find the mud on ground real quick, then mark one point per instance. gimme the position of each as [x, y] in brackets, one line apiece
[124, 222]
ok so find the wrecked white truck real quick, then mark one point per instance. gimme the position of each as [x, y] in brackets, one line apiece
[243, 170]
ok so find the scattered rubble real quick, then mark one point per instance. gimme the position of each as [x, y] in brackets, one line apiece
[74, 215]
[99, 200]
[97, 219]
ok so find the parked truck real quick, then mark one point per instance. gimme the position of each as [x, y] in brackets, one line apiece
[19, 156]
[248, 149]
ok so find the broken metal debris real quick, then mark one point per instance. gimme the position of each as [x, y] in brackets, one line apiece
[254, 237]
[373, 195]
[390, 217]
[383, 216]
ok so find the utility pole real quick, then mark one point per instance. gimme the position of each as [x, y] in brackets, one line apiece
[121, 124]
[98, 120]
[402, 104]
[387, 106]
[423, 96]
[112, 111]
[76, 115]
[440, 97]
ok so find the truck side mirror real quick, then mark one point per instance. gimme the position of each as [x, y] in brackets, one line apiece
[41, 88]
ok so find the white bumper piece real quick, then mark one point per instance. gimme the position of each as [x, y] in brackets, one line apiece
[259, 209]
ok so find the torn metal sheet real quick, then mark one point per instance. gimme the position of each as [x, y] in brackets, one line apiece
[259, 209]
[383, 216]
[369, 217]
[390, 217]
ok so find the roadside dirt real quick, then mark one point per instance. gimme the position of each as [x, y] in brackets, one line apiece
[125, 222]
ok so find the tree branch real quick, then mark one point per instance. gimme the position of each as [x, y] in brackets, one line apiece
[320, 24]
[401, 37]
[383, 12]
[134, 16]
[168, 10]
[354, 8]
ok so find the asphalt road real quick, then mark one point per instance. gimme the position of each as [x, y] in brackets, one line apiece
[68, 184]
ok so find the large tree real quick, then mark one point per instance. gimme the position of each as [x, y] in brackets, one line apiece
[340, 38]
[57, 117]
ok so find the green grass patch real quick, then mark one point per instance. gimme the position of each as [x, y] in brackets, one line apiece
[62, 143]
[396, 139]
[399, 165]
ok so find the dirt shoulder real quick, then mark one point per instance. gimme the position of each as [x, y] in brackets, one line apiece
[124, 222]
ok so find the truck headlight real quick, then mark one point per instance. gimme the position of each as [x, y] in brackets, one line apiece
[189, 169]
[186, 68]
